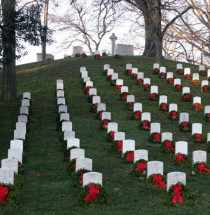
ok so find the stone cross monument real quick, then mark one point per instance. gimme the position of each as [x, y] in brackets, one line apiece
[113, 38]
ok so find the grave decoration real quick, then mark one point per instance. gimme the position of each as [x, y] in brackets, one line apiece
[145, 121]
[78, 55]
[124, 93]
[177, 84]
[207, 113]
[118, 141]
[181, 153]
[155, 178]
[119, 84]
[104, 54]
[162, 72]
[156, 69]
[167, 144]
[154, 132]
[117, 56]
[202, 70]
[179, 69]
[187, 73]
[112, 128]
[195, 79]
[100, 109]
[140, 77]
[146, 84]
[197, 103]
[199, 166]
[184, 123]
[197, 136]
[97, 56]
[128, 148]
[178, 193]
[154, 93]
[205, 86]
[134, 73]
[84, 55]
[163, 103]
[130, 101]
[137, 110]
[140, 162]
[105, 119]
[128, 69]
[186, 94]
[95, 101]
[169, 77]
[93, 193]
[173, 113]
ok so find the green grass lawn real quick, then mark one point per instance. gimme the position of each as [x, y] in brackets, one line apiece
[47, 189]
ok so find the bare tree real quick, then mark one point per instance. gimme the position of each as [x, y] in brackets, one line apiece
[87, 23]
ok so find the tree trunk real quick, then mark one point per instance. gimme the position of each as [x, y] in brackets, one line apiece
[153, 32]
[45, 30]
[9, 86]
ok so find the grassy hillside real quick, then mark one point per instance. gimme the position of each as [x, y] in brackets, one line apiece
[47, 189]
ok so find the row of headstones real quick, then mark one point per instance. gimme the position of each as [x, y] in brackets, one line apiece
[10, 165]
[186, 73]
[153, 167]
[145, 116]
[73, 144]
[155, 127]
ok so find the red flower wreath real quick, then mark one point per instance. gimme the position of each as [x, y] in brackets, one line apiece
[202, 72]
[179, 71]
[97, 56]
[156, 71]
[188, 76]
[178, 87]
[170, 80]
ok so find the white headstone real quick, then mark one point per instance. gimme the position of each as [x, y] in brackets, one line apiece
[140, 154]
[154, 167]
[96, 100]
[208, 137]
[124, 89]
[112, 126]
[146, 116]
[163, 99]
[15, 154]
[204, 83]
[21, 126]
[101, 107]
[208, 74]
[82, 69]
[154, 89]
[61, 101]
[177, 81]
[71, 142]
[123, 49]
[187, 71]
[166, 136]
[128, 145]
[66, 126]
[19, 134]
[106, 66]
[93, 91]
[64, 117]
[110, 72]
[201, 67]
[169, 75]
[156, 66]
[196, 128]
[137, 107]
[195, 76]
[184, 117]
[92, 178]
[207, 109]
[26, 95]
[24, 110]
[162, 69]
[119, 82]
[62, 109]
[115, 76]
[60, 93]
[129, 66]
[146, 81]
[199, 156]
[10, 164]
[181, 147]
[59, 81]
[175, 178]
[6, 176]
[172, 107]
[154, 127]
[25, 102]
[77, 153]
[119, 136]
[69, 134]
[84, 163]
[59, 86]
[16, 144]
[140, 75]
[89, 84]
[85, 79]
[185, 90]
[134, 70]
[130, 98]
[106, 115]
[23, 118]
[196, 99]
[179, 66]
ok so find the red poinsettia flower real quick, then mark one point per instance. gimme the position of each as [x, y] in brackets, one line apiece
[140, 81]
[170, 80]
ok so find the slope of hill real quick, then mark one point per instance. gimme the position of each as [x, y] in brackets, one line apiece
[47, 189]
